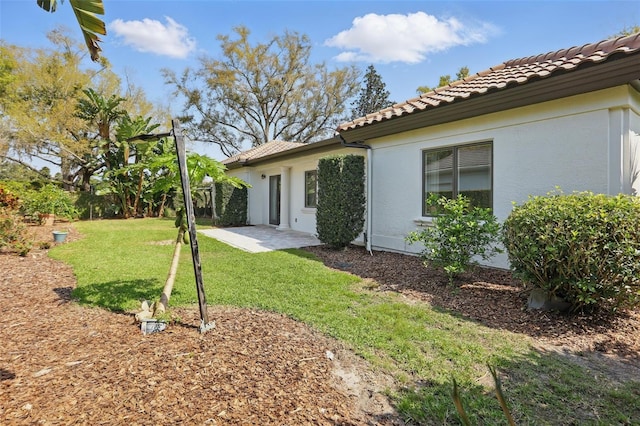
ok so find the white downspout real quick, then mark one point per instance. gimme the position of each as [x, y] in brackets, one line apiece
[369, 198]
[284, 198]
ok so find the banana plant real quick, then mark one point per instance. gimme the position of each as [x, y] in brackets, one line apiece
[90, 24]
[142, 150]
[198, 168]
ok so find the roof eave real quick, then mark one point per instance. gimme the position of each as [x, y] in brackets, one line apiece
[313, 146]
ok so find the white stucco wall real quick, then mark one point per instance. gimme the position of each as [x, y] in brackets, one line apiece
[634, 142]
[589, 142]
[301, 218]
[566, 143]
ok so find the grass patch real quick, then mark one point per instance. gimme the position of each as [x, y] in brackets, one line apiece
[120, 263]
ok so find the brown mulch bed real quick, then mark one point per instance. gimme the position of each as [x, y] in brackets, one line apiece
[494, 298]
[62, 363]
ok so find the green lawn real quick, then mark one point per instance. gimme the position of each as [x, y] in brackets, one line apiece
[120, 263]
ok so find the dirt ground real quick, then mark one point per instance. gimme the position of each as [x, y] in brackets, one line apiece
[62, 363]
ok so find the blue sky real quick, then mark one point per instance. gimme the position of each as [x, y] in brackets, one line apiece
[411, 43]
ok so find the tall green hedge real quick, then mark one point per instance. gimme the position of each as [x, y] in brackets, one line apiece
[231, 205]
[582, 247]
[341, 199]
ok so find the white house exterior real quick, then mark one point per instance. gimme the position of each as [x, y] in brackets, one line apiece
[567, 119]
[277, 173]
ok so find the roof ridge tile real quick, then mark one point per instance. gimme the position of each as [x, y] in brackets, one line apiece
[499, 77]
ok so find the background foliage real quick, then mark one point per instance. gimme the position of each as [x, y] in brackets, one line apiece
[261, 92]
[50, 199]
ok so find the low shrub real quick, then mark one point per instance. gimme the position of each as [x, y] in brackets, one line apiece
[50, 199]
[13, 232]
[458, 234]
[8, 199]
[582, 247]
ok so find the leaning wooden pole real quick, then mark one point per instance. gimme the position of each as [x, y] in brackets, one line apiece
[191, 222]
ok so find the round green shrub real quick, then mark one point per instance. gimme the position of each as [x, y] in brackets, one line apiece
[582, 247]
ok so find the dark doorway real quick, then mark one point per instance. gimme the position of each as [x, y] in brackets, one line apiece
[274, 200]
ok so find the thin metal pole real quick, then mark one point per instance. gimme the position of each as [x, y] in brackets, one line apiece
[191, 222]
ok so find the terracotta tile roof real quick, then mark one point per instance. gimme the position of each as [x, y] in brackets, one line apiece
[269, 148]
[508, 74]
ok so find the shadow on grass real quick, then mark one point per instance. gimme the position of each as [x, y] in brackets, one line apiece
[64, 293]
[541, 388]
[301, 252]
[116, 295]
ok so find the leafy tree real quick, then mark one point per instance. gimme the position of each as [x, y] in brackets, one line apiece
[462, 73]
[143, 151]
[262, 92]
[111, 126]
[56, 108]
[101, 113]
[121, 178]
[38, 107]
[8, 64]
[373, 95]
[12, 171]
[445, 80]
[90, 24]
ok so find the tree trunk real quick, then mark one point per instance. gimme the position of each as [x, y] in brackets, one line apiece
[138, 193]
[124, 202]
[161, 306]
[67, 176]
[86, 179]
[161, 209]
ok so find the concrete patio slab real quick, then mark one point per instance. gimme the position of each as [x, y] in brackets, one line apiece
[261, 238]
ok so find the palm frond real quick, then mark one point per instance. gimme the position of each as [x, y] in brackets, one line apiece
[48, 5]
[90, 24]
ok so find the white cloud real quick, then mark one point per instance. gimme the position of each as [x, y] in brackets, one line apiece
[153, 36]
[404, 38]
